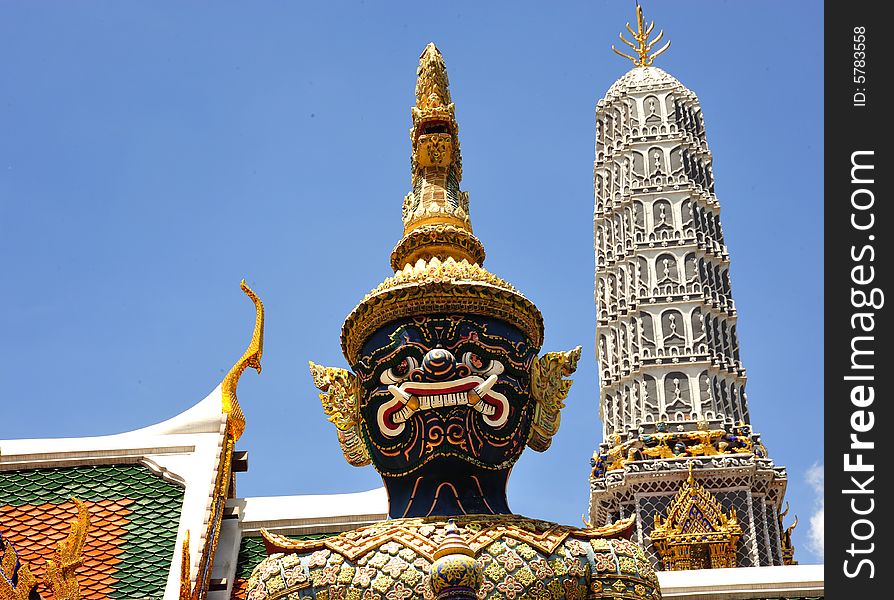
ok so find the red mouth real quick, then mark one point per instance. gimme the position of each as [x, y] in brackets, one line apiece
[412, 397]
[430, 390]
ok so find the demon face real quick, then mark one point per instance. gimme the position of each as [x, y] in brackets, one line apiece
[443, 406]
[445, 386]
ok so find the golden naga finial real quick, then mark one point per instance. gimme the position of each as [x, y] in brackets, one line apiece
[251, 358]
[643, 46]
[60, 572]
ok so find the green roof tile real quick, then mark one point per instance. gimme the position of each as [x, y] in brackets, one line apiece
[152, 530]
[251, 552]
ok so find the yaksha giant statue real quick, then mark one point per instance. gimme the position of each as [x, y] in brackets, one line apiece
[445, 391]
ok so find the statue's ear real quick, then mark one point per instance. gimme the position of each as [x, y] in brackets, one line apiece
[340, 394]
[549, 390]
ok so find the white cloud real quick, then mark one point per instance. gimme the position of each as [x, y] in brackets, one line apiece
[817, 532]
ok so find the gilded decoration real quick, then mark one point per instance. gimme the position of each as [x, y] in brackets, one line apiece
[425, 535]
[788, 547]
[434, 150]
[643, 46]
[185, 589]
[455, 573]
[704, 440]
[340, 395]
[439, 286]
[438, 260]
[549, 389]
[60, 571]
[224, 488]
[696, 533]
[437, 239]
[514, 557]
[16, 579]
[435, 213]
[250, 358]
[434, 130]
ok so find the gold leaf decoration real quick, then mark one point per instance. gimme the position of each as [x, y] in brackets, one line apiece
[696, 533]
[340, 395]
[549, 389]
[60, 571]
[11, 569]
[643, 46]
[185, 588]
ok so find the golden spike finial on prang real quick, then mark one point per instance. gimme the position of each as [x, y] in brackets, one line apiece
[642, 47]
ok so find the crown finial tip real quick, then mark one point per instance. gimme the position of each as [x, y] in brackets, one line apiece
[643, 45]
[430, 51]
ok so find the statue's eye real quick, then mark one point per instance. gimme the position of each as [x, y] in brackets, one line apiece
[399, 372]
[481, 365]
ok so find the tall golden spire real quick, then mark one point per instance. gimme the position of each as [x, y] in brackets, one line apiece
[435, 213]
[643, 46]
[438, 261]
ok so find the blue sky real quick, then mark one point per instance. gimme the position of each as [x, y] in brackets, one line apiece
[154, 154]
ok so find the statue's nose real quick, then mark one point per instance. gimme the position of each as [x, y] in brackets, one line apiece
[439, 365]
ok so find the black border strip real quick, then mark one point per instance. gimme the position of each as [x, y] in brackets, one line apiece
[858, 232]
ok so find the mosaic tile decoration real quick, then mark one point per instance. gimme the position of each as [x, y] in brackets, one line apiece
[130, 543]
[251, 553]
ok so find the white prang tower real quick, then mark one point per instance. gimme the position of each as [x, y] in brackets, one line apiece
[678, 451]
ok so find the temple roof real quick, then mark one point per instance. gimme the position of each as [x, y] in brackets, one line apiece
[134, 518]
[305, 517]
[143, 489]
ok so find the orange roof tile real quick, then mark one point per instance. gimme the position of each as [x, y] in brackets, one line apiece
[240, 586]
[35, 529]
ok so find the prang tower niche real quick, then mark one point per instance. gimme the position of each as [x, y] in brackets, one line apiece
[678, 451]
